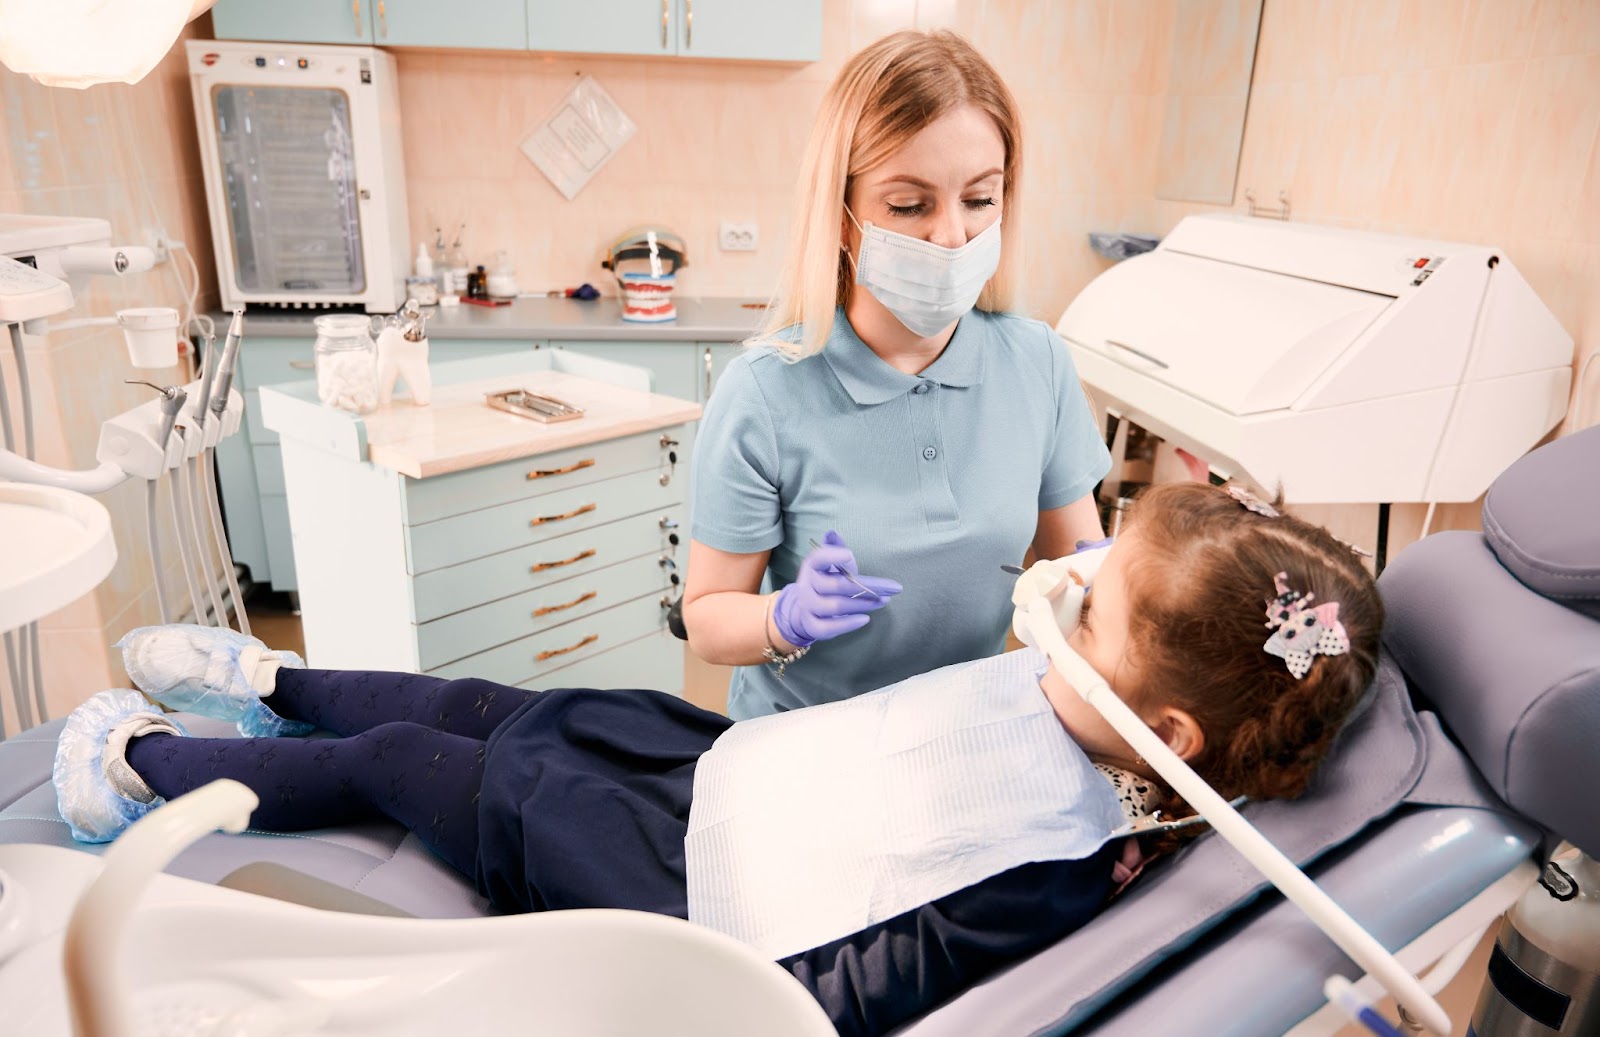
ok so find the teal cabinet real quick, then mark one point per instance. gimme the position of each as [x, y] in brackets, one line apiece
[482, 24]
[603, 26]
[491, 24]
[752, 30]
[295, 21]
[673, 366]
[714, 357]
[760, 30]
[756, 30]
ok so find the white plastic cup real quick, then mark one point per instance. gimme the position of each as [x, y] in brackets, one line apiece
[152, 335]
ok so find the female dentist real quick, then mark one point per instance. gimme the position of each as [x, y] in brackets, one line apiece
[891, 412]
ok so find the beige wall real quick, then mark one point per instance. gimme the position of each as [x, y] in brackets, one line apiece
[126, 154]
[721, 141]
[1474, 120]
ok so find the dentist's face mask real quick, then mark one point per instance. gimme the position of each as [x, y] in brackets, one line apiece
[927, 287]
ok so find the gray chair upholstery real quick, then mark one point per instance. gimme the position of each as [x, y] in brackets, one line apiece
[1500, 633]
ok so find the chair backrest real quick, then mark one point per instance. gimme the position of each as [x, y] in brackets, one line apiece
[1500, 633]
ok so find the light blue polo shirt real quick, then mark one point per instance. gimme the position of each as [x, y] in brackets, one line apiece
[934, 480]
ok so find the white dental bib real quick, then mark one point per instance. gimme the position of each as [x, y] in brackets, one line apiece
[812, 825]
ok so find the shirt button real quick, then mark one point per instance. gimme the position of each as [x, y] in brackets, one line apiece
[929, 453]
[921, 388]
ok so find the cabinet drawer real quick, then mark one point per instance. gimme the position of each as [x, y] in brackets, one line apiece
[566, 601]
[531, 658]
[652, 661]
[445, 591]
[428, 500]
[269, 470]
[478, 534]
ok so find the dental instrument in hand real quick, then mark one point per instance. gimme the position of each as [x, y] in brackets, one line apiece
[837, 571]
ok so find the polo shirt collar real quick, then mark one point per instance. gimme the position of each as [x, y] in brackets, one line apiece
[869, 380]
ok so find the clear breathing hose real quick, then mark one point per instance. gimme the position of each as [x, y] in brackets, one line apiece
[220, 533]
[196, 602]
[155, 549]
[189, 484]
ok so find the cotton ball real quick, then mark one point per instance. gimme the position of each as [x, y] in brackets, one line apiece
[348, 379]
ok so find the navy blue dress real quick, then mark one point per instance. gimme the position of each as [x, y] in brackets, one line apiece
[585, 803]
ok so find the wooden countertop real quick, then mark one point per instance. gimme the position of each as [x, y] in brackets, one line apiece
[459, 431]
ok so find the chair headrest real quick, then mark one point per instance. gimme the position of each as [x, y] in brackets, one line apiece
[1541, 519]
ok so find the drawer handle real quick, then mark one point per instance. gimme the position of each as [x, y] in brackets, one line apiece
[562, 608]
[303, 365]
[552, 653]
[575, 512]
[540, 567]
[540, 473]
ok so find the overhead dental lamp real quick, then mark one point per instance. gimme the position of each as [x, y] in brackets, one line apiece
[80, 43]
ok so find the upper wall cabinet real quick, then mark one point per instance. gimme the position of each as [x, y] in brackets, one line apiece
[493, 24]
[754, 30]
[765, 30]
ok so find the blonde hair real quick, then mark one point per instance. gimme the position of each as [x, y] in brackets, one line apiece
[884, 96]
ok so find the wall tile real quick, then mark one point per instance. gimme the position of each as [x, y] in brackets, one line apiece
[1497, 30]
[1567, 27]
[1557, 118]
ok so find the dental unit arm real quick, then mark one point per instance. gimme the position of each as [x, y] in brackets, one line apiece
[1048, 597]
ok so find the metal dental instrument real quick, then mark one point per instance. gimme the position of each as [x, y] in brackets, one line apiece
[217, 403]
[1014, 570]
[840, 572]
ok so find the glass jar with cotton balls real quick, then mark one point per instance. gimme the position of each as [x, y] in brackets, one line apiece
[347, 362]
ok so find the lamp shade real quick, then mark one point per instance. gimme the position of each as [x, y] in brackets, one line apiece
[79, 43]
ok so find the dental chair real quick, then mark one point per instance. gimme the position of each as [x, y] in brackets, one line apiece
[1477, 749]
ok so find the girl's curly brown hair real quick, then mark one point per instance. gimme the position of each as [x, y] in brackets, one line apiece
[1201, 582]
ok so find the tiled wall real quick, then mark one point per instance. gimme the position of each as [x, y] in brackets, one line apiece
[721, 141]
[126, 154]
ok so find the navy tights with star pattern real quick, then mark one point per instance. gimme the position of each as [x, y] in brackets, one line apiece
[410, 748]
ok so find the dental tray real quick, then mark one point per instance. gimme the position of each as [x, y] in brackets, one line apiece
[526, 404]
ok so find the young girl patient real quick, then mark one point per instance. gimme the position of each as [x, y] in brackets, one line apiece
[1242, 637]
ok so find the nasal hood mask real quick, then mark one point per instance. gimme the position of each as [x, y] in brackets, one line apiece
[1063, 582]
[927, 287]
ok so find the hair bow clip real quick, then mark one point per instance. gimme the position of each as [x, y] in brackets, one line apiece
[1251, 502]
[1300, 632]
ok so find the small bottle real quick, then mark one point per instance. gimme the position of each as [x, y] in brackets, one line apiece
[459, 271]
[424, 261]
[479, 284]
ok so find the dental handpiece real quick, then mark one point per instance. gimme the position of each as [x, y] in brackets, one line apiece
[230, 356]
[172, 401]
[208, 359]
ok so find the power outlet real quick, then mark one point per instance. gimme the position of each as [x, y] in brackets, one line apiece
[738, 237]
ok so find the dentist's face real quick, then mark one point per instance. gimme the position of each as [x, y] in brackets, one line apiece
[944, 186]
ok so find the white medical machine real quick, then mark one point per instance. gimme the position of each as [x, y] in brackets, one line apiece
[55, 541]
[1333, 366]
[305, 178]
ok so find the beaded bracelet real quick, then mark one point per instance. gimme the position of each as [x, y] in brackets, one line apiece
[771, 653]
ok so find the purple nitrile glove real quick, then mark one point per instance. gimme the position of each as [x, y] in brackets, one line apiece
[822, 602]
[1090, 545]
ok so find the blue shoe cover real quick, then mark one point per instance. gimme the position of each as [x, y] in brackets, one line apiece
[93, 810]
[200, 670]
